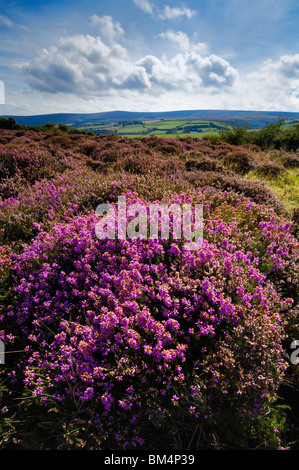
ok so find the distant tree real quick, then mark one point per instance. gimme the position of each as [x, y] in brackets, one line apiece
[63, 127]
[77, 131]
[235, 136]
[49, 126]
[290, 138]
[270, 136]
[9, 123]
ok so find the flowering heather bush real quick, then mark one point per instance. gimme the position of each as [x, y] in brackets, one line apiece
[5, 261]
[240, 161]
[295, 223]
[75, 191]
[138, 328]
[29, 162]
[259, 231]
[270, 169]
[254, 190]
[12, 186]
[290, 161]
[205, 164]
[164, 145]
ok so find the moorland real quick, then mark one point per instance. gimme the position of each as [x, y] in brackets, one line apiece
[140, 344]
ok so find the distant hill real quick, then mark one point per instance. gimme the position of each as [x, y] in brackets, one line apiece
[254, 119]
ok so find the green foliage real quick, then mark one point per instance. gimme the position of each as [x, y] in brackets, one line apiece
[272, 136]
[235, 136]
[11, 124]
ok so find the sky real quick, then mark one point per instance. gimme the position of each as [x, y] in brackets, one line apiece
[148, 55]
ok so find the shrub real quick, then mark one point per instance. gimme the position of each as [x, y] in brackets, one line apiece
[204, 164]
[254, 190]
[269, 169]
[12, 185]
[166, 146]
[290, 161]
[240, 161]
[295, 223]
[29, 162]
[235, 136]
[36, 207]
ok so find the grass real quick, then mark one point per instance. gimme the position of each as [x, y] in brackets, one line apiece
[285, 186]
[284, 182]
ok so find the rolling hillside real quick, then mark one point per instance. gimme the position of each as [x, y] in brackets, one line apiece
[254, 119]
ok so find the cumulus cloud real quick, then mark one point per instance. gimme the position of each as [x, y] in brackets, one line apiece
[181, 40]
[4, 20]
[287, 66]
[108, 28]
[84, 73]
[171, 13]
[277, 74]
[83, 64]
[145, 5]
[275, 83]
[167, 13]
[190, 72]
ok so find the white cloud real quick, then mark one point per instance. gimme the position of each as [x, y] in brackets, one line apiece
[82, 64]
[145, 5]
[275, 83]
[171, 13]
[185, 81]
[110, 29]
[96, 72]
[167, 13]
[6, 21]
[189, 71]
[287, 66]
[181, 40]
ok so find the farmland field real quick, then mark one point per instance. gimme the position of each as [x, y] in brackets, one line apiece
[167, 127]
[139, 343]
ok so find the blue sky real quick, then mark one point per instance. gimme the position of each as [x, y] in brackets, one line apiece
[148, 55]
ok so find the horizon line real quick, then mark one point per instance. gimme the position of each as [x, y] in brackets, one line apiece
[266, 111]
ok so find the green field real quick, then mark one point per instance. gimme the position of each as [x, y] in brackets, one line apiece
[167, 127]
[159, 127]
